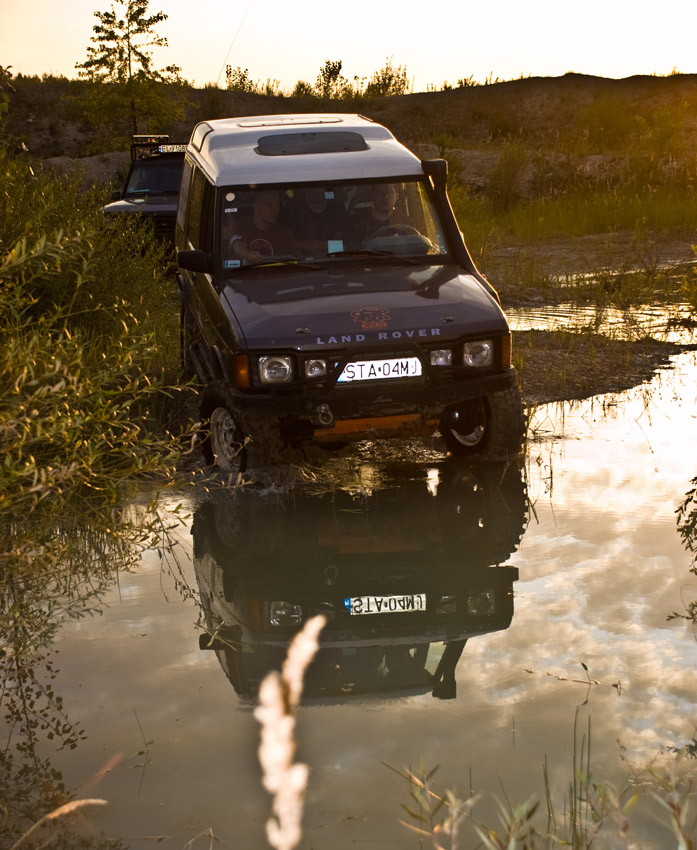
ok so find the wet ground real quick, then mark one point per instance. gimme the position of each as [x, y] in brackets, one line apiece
[547, 591]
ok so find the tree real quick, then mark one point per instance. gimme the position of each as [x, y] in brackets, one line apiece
[330, 82]
[238, 79]
[5, 87]
[120, 60]
[388, 81]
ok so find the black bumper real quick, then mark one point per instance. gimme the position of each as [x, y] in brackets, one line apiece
[355, 401]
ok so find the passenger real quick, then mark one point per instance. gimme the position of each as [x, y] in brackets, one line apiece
[263, 236]
[366, 222]
[316, 219]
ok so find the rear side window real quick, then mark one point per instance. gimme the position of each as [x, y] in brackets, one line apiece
[194, 209]
[184, 195]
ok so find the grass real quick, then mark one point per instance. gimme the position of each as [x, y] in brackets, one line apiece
[591, 811]
[576, 213]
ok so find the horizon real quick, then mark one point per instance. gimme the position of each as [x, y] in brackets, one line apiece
[289, 44]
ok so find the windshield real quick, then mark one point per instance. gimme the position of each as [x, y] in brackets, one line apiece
[155, 177]
[312, 222]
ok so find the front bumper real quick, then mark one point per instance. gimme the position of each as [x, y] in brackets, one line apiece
[423, 396]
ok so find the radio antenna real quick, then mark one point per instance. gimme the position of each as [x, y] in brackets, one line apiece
[232, 44]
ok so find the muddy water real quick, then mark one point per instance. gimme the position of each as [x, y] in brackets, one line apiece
[548, 590]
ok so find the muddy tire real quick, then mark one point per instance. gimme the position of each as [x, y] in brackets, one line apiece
[490, 428]
[224, 440]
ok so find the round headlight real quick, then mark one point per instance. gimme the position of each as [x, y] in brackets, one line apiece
[275, 369]
[315, 368]
[480, 353]
[443, 357]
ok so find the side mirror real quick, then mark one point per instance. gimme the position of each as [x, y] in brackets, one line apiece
[194, 261]
[116, 195]
[437, 170]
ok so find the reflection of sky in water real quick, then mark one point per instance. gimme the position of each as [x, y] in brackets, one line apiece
[657, 322]
[601, 566]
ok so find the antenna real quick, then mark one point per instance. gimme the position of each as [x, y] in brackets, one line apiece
[232, 44]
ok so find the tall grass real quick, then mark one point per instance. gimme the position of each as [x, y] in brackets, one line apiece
[573, 214]
[595, 812]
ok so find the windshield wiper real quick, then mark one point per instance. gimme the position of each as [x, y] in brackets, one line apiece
[283, 261]
[374, 252]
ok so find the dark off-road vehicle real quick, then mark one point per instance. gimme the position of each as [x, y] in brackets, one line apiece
[328, 296]
[151, 188]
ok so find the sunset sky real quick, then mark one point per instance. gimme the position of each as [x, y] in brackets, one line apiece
[447, 41]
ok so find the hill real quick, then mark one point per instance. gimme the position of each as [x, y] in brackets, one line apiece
[574, 115]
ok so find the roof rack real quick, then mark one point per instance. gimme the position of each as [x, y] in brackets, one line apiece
[145, 146]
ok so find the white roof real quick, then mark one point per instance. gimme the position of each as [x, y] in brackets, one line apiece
[228, 150]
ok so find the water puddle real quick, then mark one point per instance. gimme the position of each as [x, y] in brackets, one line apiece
[675, 324]
[477, 616]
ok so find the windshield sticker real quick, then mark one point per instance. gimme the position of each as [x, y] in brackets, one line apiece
[335, 246]
[371, 320]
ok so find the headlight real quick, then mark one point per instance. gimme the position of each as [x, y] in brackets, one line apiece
[315, 368]
[275, 369]
[283, 614]
[443, 357]
[481, 604]
[479, 353]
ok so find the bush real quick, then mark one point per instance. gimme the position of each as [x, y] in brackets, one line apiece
[79, 360]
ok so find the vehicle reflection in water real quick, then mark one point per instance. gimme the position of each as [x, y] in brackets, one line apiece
[405, 577]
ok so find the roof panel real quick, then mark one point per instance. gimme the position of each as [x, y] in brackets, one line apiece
[229, 152]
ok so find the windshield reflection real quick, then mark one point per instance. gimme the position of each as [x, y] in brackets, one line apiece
[405, 576]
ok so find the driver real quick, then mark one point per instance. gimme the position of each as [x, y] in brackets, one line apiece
[263, 235]
[365, 222]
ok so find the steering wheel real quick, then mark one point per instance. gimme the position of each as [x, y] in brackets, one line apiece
[394, 230]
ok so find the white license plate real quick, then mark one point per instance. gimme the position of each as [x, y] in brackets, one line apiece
[380, 370]
[396, 604]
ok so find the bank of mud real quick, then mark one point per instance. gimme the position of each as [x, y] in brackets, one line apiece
[559, 366]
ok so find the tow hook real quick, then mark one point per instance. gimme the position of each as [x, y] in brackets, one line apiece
[323, 416]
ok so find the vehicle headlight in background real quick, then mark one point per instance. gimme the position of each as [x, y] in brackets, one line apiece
[315, 368]
[284, 614]
[478, 353]
[443, 357]
[275, 369]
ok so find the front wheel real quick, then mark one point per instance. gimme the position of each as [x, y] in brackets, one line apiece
[491, 427]
[224, 442]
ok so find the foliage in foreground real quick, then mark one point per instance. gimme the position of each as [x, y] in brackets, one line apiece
[83, 381]
[593, 810]
[81, 373]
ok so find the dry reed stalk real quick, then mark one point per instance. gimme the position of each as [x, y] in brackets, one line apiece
[279, 696]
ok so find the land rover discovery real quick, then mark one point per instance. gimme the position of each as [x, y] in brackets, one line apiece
[327, 294]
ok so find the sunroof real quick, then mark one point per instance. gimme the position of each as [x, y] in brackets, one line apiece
[292, 144]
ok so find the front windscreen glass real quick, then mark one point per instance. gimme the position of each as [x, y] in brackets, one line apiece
[330, 222]
[155, 177]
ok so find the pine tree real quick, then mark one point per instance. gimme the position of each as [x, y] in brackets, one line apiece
[120, 61]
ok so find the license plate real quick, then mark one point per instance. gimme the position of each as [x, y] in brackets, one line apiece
[380, 370]
[396, 604]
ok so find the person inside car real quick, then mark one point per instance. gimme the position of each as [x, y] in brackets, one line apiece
[367, 221]
[262, 236]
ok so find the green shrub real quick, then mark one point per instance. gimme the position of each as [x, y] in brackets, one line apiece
[81, 312]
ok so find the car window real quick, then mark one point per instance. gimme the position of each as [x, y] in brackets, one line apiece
[331, 222]
[153, 177]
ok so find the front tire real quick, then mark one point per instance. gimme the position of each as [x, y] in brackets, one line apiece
[225, 443]
[491, 427]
